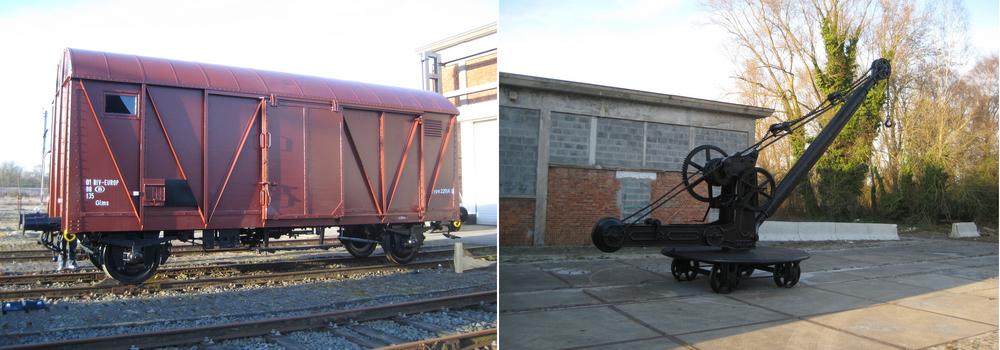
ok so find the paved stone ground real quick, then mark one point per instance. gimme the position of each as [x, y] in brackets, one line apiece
[914, 293]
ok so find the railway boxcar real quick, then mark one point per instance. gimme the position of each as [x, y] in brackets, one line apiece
[147, 151]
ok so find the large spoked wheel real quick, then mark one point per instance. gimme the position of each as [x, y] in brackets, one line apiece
[356, 248]
[400, 249]
[758, 185]
[787, 275]
[129, 267]
[684, 270]
[724, 278]
[695, 163]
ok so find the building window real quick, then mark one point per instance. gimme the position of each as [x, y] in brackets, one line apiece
[120, 104]
[432, 71]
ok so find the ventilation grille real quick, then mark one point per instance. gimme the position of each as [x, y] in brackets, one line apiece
[432, 128]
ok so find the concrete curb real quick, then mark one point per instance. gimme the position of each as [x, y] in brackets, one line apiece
[826, 231]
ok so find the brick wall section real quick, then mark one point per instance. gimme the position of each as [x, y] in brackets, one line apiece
[517, 221]
[577, 198]
[683, 209]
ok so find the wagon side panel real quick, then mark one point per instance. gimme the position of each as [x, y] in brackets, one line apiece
[402, 167]
[172, 181]
[440, 187]
[233, 162]
[108, 141]
[362, 192]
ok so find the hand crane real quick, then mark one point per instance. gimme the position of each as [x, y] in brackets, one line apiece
[746, 197]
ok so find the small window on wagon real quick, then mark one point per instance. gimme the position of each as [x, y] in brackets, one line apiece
[120, 104]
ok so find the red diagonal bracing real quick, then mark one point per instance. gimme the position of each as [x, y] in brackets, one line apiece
[361, 166]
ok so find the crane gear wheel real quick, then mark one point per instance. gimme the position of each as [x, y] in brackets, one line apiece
[691, 166]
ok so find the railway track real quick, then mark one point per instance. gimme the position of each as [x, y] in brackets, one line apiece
[90, 274]
[345, 324]
[290, 270]
[179, 250]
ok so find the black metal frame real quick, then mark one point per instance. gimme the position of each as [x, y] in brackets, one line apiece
[740, 214]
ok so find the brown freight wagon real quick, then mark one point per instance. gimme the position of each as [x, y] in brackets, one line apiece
[148, 150]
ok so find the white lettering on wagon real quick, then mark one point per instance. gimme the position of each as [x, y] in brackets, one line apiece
[94, 187]
[443, 191]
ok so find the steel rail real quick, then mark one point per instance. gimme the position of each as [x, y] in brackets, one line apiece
[245, 329]
[44, 254]
[469, 340]
[164, 285]
[241, 267]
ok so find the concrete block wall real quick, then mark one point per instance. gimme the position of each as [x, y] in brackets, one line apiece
[584, 136]
[518, 151]
[619, 143]
[569, 139]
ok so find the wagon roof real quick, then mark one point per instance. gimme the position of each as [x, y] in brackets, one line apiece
[116, 67]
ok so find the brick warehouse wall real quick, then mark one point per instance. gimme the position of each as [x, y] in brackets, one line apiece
[517, 221]
[683, 209]
[577, 198]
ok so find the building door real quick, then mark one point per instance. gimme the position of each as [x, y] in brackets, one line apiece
[484, 179]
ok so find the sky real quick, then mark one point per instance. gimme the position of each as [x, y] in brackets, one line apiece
[371, 41]
[666, 46]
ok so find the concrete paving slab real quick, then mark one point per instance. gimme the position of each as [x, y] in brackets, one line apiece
[817, 278]
[902, 269]
[980, 261]
[902, 326]
[661, 343]
[686, 315]
[970, 307]
[791, 335]
[933, 281]
[647, 291]
[801, 300]
[560, 329]
[876, 289]
[986, 284]
[599, 273]
[826, 262]
[658, 265]
[545, 299]
[518, 278]
[975, 273]
[985, 293]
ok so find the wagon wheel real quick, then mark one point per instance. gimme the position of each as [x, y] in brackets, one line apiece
[399, 248]
[119, 263]
[786, 275]
[759, 185]
[691, 166]
[357, 249]
[724, 278]
[684, 270]
[95, 256]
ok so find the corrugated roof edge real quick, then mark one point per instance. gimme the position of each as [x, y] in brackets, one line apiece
[564, 86]
[87, 64]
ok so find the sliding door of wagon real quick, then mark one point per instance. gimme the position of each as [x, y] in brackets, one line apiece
[303, 163]
[233, 161]
[381, 167]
